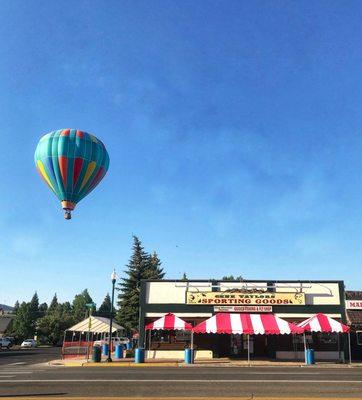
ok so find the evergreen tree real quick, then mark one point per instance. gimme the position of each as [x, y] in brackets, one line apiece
[138, 268]
[51, 326]
[23, 326]
[43, 308]
[16, 306]
[79, 305]
[53, 304]
[34, 306]
[184, 277]
[155, 269]
[105, 308]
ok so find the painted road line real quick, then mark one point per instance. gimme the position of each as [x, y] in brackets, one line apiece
[294, 381]
[15, 372]
[17, 363]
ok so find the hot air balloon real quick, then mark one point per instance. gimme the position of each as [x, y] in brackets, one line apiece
[71, 163]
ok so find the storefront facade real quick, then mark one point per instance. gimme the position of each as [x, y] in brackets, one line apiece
[354, 319]
[197, 300]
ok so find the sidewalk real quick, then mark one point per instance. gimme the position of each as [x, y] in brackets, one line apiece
[217, 362]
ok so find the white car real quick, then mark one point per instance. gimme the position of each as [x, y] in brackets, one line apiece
[115, 341]
[28, 343]
[5, 343]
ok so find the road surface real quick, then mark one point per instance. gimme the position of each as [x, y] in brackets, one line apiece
[29, 356]
[211, 382]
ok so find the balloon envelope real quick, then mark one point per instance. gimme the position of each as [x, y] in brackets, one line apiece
[72, 163]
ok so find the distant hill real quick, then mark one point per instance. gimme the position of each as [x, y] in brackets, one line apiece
[7, 309]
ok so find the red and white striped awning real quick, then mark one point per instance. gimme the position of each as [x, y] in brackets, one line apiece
[258, 324]
[169, 322]
[323, 323]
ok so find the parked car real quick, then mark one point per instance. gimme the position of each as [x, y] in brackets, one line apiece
[28, 343]
[11, 340]
[5, 343]
[115, 341]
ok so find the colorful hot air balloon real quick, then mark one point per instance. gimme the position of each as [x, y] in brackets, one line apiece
[71, 163]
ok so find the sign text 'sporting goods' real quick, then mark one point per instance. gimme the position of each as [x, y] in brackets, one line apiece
[354, 304]
[233, 299]
[243, 309]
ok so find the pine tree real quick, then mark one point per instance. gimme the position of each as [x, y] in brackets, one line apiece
[155, 269]
[34, 306]
[53, 304]
[23, 326]
[105, 308]
[128, 298]
[79, 305]
[184, 277]
[43, 308]
[51, 326]
[16, 306]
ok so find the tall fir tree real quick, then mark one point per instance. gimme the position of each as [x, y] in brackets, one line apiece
[53, 304]
[79, 305]
[34, 306]
[105, 307]
[43, 308]
[155, 269]
[139, 267]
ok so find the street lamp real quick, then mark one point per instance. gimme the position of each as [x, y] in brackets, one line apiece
[113, 278]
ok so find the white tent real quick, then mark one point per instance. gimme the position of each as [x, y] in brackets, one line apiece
[96, 325]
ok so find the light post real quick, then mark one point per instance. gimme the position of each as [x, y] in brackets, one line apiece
[113, 278]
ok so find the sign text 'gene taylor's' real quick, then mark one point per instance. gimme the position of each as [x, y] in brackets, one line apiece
[245, 298]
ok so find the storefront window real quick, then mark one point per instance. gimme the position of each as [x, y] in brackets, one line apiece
[359, 337]
[161, 337]
[330, 338]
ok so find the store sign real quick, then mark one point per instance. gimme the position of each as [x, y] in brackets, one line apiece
[354, 304]
[242, 309]
[238, 298]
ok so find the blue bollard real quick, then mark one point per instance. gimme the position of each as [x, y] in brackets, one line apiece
[139, 356]
[189, 356]
[310, 357]
[119, 351]
[105, 349]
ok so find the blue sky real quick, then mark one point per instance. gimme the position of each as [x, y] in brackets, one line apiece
[233, 128]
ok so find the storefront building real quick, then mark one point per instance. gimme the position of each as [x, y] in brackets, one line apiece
[196, 300]
[354, 319]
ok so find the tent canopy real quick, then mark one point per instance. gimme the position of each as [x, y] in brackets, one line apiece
[323, 323]
[169, 322]
[97, 325]
[258, 324]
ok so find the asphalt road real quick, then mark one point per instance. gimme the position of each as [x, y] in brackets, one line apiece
[211, 382]
[28, 356]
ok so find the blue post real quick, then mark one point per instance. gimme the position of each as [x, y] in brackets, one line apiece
[129, 345]
[105, 349]
[139, 355]
[189, 356]
[119, 351]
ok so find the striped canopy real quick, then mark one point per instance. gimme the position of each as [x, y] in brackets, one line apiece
[169, 322]
[95, 325]
[252, 324]
[323, 323]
